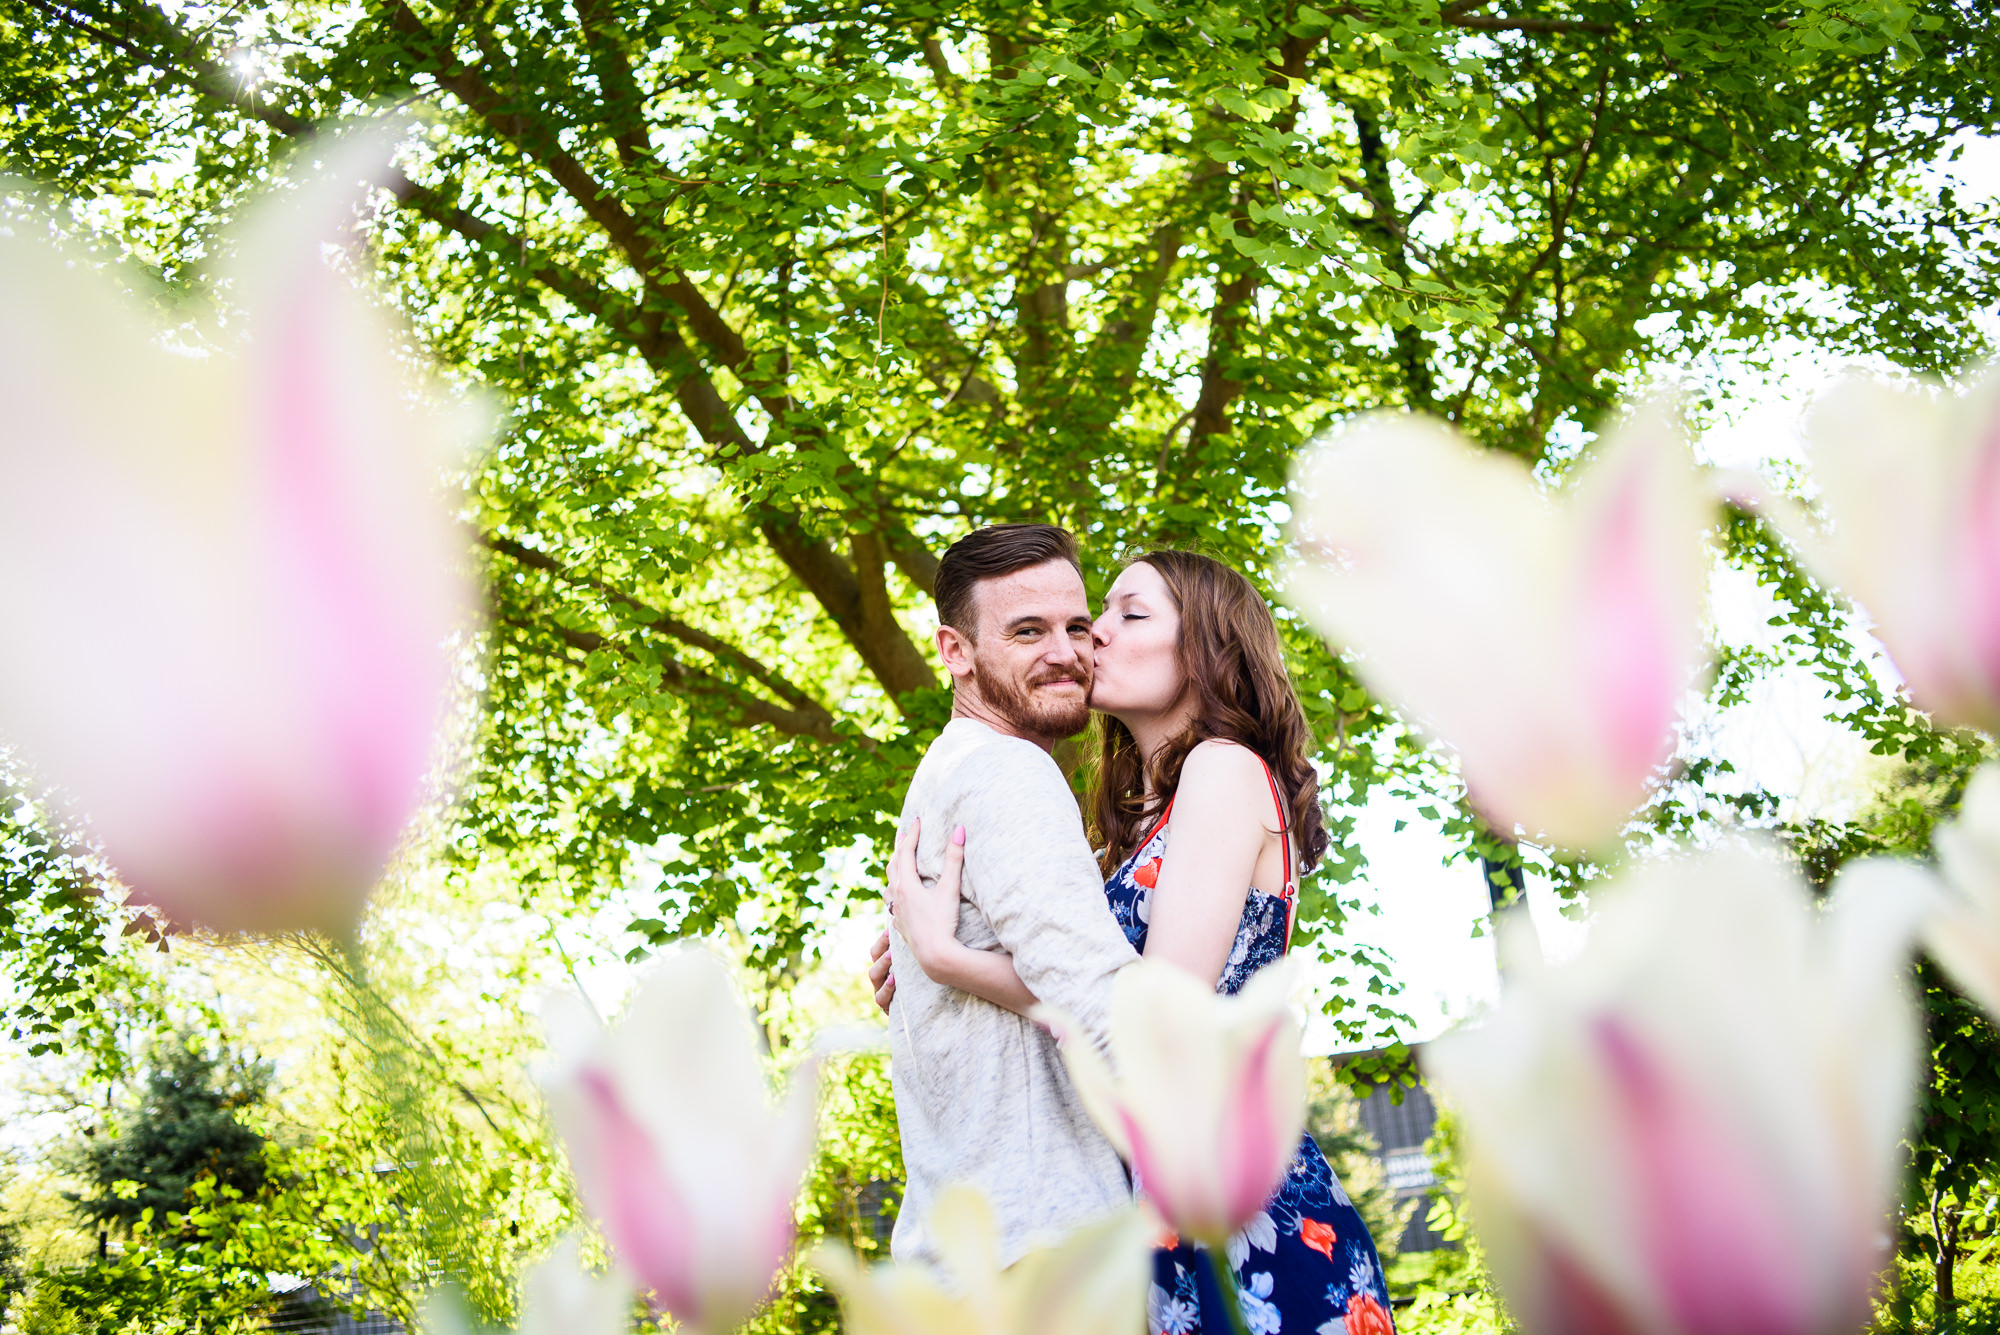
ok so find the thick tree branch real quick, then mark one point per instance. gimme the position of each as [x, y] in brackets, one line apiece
[1219, 385]
[623, 102]
[720, 650]
[511, 121]
[871, 627]
[918, 564]
[1413, 353]
[683, 679]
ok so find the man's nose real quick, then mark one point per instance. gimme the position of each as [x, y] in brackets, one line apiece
[1062, 649]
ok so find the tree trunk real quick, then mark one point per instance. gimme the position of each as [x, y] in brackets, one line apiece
[1946, 1216]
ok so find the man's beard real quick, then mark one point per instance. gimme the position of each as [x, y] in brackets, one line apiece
[1029, 711]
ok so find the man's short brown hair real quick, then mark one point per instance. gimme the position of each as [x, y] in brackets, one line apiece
[989, 553]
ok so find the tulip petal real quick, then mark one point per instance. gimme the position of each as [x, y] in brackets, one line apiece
[1254, 1158]
[559, 1297]
[1717, 1242]
[1549, 645]
[1693, 1126]
[1962, 932]
[675, 1146]
[266, 520]
[1089, 1073]
[1910, 484]
[1209, 1098]
[1639, 609]
[651, 1224]
[1093, 1281]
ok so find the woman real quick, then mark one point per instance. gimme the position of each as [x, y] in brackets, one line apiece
[1203, 739]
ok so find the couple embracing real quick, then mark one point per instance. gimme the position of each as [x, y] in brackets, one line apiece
[999, 903]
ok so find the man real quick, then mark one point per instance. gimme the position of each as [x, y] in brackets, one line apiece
[981, 1093]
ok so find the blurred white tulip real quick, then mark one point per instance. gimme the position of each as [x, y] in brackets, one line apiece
[1549, 642]
[1094, 1282]
[1963, 935]
[1693, 1129]
[1909, 483]
[234, 574]
[677, 1152]
[560, 1297]
[1209, 1098]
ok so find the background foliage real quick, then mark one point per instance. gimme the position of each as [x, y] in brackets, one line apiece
[778, 299]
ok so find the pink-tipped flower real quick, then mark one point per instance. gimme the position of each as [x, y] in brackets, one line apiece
[1209, 1096]
[1693, 1128]
[1549, 641]
[676, 1149]
[233, 573]
[1093, 1282]
[1909, 483]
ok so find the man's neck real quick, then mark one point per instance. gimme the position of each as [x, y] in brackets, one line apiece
[966, 704]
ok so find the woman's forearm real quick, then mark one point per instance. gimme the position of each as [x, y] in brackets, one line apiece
[986, 974]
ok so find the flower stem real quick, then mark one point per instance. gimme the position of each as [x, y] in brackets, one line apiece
[1225, 1282]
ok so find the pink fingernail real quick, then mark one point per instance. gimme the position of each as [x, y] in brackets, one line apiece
[958, 835]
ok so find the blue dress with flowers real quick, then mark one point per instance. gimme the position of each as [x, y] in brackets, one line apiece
[1305, 1265]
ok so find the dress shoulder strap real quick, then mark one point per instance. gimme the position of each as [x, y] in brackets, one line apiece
[1291, 890]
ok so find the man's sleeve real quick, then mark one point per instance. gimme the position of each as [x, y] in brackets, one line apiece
[1037, 884]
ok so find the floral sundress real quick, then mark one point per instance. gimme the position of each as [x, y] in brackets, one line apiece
[1305, 1265]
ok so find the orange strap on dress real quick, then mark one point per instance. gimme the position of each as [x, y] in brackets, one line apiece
[1291, 890]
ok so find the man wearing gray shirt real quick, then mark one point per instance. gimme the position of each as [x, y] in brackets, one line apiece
[981, 1093]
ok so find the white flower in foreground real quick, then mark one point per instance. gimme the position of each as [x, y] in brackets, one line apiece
[1094, 1282]
[232, 577]
[1693, 1128]
[1910, 484]
[1548, 641]
[560, 1297]
[1963, 934]
[677, 1152]
[1210, 1096]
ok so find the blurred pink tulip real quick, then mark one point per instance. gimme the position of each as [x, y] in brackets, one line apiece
[1209, 1097]
[676, 1151]
[1093, 1282]
[1909, 481]
[1693, 1128]
[234, 574]
[1549, 644]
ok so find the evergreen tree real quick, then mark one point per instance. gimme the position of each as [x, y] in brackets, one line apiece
[186, 1125]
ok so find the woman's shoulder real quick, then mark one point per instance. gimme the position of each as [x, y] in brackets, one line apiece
[1226, 778]
[1220, 760]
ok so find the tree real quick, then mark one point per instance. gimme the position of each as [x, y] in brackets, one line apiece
[188, 1125]
[782, 297]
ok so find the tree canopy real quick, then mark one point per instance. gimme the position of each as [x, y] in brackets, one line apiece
[780, 298]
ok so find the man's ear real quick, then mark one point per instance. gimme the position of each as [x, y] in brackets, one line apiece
[955, 648]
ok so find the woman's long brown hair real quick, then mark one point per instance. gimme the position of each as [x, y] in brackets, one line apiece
[1235, 670]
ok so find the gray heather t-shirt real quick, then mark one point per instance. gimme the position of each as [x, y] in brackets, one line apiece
[981, 1093]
